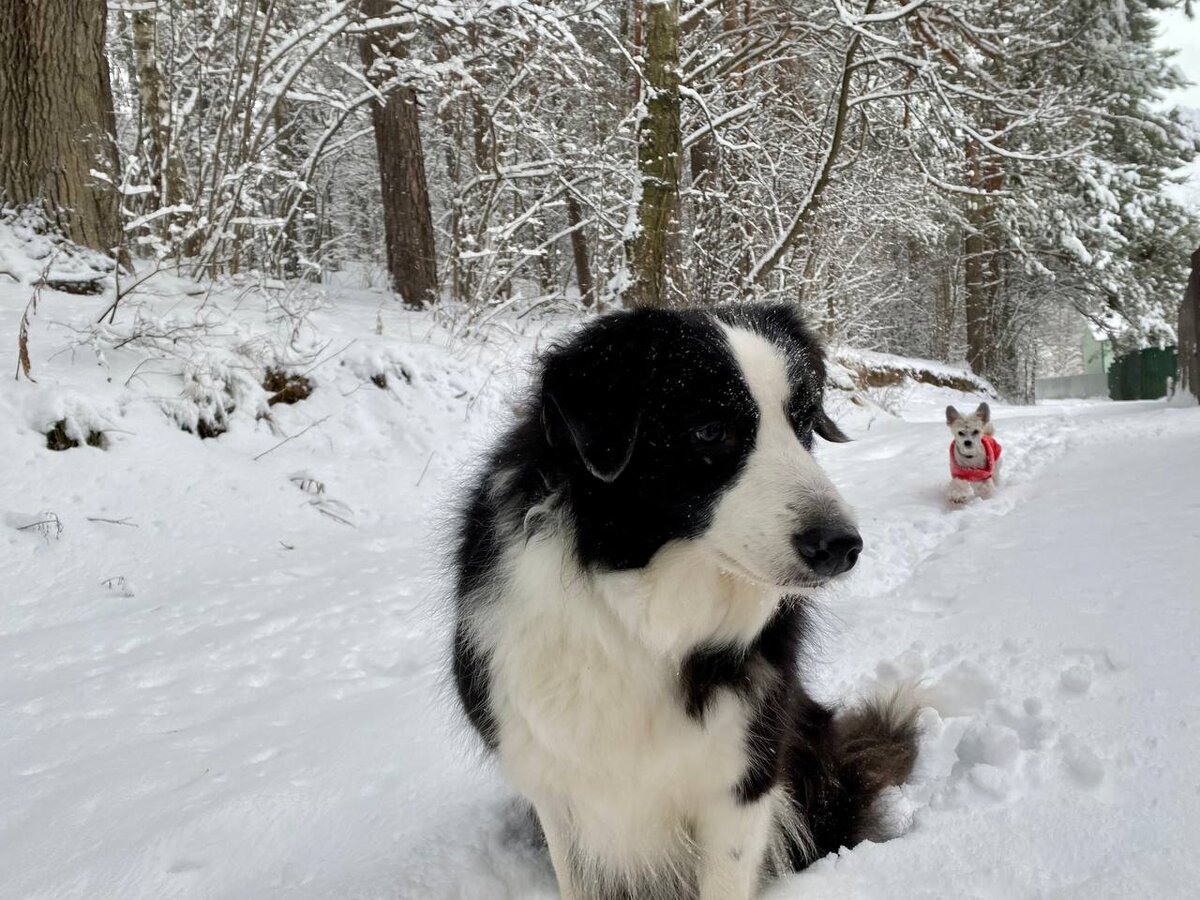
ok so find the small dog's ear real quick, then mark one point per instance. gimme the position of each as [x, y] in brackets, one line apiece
[827, 428]
[594, 392]
[952, 415]
[984, 412]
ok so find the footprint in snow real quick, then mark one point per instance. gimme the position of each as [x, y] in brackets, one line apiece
[1076, 679]
[1084, 766]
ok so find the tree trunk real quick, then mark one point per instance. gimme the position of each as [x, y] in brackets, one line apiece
[579, 249]
[976, 289]
[943, 331]
[975, 270]
[659, 150]
[636, 42]
[152, 108]
[1001, 364]
[407, 218]
[57, 125]
[1189, 333]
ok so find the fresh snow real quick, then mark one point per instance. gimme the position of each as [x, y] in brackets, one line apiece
[224, 677]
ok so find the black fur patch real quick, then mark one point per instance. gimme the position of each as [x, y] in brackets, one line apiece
[763, 674]
[471, 679]
[766, 741]
[707, 669]
[626, 405]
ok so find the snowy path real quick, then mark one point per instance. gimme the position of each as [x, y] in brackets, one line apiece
[1059, 640]
[262, 712]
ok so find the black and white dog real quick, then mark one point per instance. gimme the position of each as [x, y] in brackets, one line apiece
[631, 577]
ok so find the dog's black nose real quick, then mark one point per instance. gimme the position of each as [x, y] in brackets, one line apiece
[966, 443]
[829, 550]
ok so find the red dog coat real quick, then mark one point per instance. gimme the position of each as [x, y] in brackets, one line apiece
[991, 450]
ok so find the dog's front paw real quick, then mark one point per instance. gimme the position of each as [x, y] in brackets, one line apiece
[960, 493]
[986, 489]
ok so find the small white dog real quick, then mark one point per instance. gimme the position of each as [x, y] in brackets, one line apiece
[974, 455]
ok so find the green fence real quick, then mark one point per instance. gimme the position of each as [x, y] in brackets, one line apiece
[1143, 375]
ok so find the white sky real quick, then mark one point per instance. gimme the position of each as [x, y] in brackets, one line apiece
[1178, 32]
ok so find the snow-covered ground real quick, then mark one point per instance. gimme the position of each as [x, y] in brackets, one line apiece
[223, 678]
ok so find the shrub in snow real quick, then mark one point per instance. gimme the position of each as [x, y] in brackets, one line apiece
[213, 389]
[67, 434]
[68, 420]
[285, 387]
[376, 364]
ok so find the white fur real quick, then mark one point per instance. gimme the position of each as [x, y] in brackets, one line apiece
[782, 485]
[592, 728]
[585, 678]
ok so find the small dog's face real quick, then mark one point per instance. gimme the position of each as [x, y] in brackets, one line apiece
[699, 426]
[968, 431]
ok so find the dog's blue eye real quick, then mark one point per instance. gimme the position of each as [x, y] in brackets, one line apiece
[712, 433]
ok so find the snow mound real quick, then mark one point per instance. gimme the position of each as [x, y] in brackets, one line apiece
[32, 251]
[869, 369]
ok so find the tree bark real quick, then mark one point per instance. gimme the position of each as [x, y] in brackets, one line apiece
[152, 105]
[660, 143]
[1189, 333]
[977, 301]
[975, 269]
[57, 125]
[579, 249]
[943, 332]
[407, 218]
[636, 42]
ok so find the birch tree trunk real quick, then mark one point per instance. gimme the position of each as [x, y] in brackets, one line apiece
[659, 149]
[57, 126]
[152, 106]
[408, 221]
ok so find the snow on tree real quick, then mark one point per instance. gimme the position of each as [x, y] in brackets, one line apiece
[939, 177]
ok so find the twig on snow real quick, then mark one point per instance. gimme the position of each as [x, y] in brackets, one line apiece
[125, 521]
[291, 438]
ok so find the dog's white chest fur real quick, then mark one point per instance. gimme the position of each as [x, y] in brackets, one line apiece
[586, 686]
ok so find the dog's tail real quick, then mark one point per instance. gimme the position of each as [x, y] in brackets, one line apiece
[837, 778]
[876, 743]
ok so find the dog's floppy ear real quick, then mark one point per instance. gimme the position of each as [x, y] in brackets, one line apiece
[952, 416]
[827, 428]
[984, 412]
[594, 392]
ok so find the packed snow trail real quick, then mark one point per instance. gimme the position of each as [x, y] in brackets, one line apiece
[211, 686]
[1059, 643]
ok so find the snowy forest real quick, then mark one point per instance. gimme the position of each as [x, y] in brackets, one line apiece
[962, 180]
